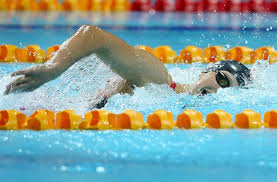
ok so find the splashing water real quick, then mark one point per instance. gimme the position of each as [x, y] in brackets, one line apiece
[76, 89]
[72, 90]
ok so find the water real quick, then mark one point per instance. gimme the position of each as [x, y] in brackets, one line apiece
[177, 155]
[240, 155]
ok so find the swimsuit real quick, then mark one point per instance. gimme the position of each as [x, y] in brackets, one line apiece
[102, 103]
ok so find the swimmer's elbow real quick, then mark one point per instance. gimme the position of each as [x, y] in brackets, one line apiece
[86, 27]
[90, 29]
[89, 39]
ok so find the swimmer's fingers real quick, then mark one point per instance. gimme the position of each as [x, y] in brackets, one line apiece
[16, 83]
[26, 87]
[21, 72]
[20, 88]
[21, 80]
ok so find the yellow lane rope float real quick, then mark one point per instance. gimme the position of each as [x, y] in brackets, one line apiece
[248, 119]
[219, 119]
[65, 5]
[190, 119]
[191, 54]
[270, 119]
[160, 119]
[41, 120]
[133, 120]
[12, 120]
[68, 120]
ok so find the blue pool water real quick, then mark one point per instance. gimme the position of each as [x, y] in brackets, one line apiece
[177, 155]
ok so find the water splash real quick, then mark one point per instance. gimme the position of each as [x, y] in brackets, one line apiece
[260, 95]
[72, 90]
[76, 89]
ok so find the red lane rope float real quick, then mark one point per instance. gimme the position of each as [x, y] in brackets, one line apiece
[191, 54]
[141, 5]
[133, 120]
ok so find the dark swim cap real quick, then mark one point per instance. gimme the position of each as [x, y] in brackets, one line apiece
[240, 72]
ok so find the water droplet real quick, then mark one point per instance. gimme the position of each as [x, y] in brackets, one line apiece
[79, 145]
[5, 139]
[124, 155]
[63, 168]
[100, 169]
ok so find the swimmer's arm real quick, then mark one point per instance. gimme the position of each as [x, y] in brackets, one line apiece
[136, 66]
[181, 88]
[116, 86]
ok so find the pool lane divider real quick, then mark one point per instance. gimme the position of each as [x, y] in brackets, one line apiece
[190, 54]
[140, 5]
[133, 120]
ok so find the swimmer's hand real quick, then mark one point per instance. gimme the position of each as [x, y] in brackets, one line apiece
[31, 78]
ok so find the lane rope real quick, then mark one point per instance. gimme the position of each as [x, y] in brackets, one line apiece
[133, 120]
[188, 55]
[140, 5]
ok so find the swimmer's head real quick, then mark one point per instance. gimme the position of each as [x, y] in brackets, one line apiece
[222, 74]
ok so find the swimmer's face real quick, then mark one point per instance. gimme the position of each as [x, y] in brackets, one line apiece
[210, 82]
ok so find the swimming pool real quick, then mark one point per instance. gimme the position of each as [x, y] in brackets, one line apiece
[179, 155]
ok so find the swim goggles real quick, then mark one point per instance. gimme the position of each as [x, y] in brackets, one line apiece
[222, 79]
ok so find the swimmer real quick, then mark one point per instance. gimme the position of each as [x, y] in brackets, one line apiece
[136, 67]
